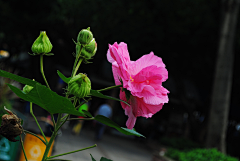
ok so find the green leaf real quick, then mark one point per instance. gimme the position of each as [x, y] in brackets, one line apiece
[17, 78]
[102, 159]
[100, 95]
[87, 113]
[47, 99]
[105, 159]
[110, 123]
[92, 158]
[65, 79]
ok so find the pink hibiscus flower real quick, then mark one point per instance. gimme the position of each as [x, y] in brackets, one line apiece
[141, 80]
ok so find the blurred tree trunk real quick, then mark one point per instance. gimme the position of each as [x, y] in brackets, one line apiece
[221, 92]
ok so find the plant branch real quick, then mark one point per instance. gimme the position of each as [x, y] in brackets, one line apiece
[108, 88]
[81, 119]
[72, 152]
[23, 148]
[31, 111]
[35, 136]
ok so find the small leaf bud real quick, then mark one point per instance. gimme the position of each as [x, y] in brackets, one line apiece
[79, 85]
[27, 89]
[42, 44]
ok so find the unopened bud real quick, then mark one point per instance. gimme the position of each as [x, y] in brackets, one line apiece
[85, 36]
[89, 50]
[79, 85]
[42, 44]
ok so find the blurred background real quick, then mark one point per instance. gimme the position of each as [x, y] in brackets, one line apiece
[198, 40]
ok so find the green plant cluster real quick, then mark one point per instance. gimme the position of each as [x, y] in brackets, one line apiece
[198, 155]
[179, 143]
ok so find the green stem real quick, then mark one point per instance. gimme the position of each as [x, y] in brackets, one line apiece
[72, 152]
[23, 148]
[80, 104]
[76, 69]
[81, 119]
[62, 119]
[35, 136]
[63, 122]
[54, 124]
[31, 111]
[54, 134]
[49, 146]
[75, 62]
[41, 67]
[108, 88]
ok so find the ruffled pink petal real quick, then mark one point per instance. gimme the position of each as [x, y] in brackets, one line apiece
[145, 61]
[128, 111]
[131, 118]
[116, 76]
[162, 94]
[122, 96]
[152, 100]
[146, 91]
[109, 57]
[145, 110]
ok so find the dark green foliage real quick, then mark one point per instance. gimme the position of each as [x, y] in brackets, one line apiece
[179, 143]
[110, 123]
[100, 95]
[198, 155]
[102, 159]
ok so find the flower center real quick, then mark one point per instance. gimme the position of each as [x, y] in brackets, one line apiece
[131, 79]
[147, 81]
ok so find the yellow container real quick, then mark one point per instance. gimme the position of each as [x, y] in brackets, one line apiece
[34, 148]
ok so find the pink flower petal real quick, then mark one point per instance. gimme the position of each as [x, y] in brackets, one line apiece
[143, 78]
[145, 61]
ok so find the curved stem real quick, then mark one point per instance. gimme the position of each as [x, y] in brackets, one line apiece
[108, 88]
[72, 152]
[35, 136]
[75, 62]
[41, 68]
[76, 69]
[23, 148]
[31, 111]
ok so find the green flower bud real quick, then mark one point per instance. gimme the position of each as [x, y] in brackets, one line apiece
[88, 51]
[85, 36]
[27, 89]
[42, 44]
[79, 85]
